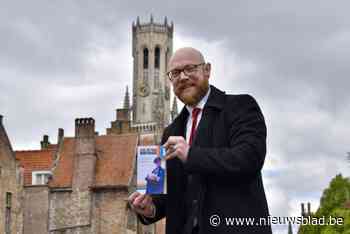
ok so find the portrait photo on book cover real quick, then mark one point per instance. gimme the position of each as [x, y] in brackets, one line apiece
[151, 170]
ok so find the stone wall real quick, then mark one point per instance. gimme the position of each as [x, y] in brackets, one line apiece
[107, 213]
[111, 214]
[36, 206]
[69, 209]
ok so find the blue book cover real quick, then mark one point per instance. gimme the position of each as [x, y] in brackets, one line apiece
[151, 169]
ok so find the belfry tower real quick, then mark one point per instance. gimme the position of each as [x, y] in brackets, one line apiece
[152, 45]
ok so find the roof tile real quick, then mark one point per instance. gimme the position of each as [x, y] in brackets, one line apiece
[34, 160]
[62, 174]
[114, 165]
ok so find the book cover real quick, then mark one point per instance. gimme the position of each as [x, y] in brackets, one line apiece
[151, 169]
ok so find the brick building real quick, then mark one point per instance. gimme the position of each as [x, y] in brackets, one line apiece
[37, 165]
[80, 184]
[89, 178]
[91, 182]
[11, 190]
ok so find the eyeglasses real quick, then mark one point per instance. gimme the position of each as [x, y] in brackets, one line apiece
[187, 70]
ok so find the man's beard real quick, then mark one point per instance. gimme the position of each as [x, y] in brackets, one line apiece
[190, 93]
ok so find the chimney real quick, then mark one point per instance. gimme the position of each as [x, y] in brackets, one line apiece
[84, 127]
[60, 135]
[84, 154]
[45, 142]
[302, 210]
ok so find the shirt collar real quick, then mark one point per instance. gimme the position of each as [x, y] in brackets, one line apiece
[201, 103]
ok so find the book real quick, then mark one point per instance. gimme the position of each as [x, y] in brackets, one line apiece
[151, 169]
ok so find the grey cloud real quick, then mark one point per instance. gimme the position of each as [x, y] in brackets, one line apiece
[53, 37]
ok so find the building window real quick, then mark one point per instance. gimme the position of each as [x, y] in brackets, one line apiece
[40, 177]
[8, 200]
[8, 213]
[145, 58]
[157, 57]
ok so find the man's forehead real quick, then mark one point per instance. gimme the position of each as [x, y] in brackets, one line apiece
[185, 56]
[182, 62]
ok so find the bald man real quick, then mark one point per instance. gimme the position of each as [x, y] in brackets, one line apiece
[215, 152]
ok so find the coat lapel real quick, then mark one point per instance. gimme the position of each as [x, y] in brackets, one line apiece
[179, 124]
[215, 103]
[178, 129]
[204, 131]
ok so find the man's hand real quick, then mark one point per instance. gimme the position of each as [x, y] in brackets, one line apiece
[152, 177]
[142, 204]
[176, 146]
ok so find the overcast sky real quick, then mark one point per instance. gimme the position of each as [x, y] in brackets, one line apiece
[60, 60]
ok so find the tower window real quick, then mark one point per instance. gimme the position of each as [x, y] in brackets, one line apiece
[145, 58]
[157, 57]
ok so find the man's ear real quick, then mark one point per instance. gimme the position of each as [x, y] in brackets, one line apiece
[207, 68]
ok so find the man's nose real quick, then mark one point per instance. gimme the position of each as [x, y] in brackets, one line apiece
[183, 75]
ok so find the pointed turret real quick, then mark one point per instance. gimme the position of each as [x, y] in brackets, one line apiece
[126, 99]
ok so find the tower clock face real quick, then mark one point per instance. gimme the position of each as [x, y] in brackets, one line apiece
[143, 90]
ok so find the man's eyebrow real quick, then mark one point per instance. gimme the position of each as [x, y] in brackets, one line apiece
[177, 68]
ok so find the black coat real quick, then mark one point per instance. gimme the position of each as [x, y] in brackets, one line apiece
[227, 155]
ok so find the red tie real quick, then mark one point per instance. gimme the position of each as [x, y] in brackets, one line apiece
[195, 113]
